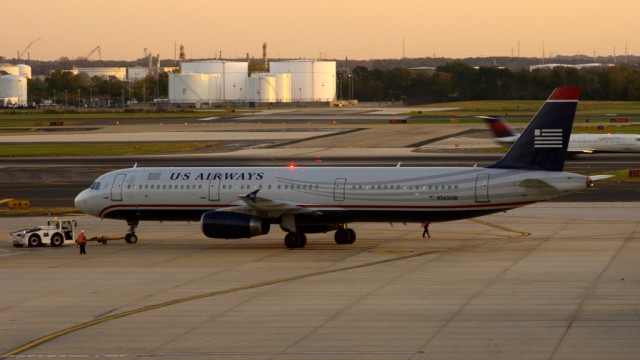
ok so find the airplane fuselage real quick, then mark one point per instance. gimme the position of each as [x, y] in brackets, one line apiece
[604, 143]
[353, 194]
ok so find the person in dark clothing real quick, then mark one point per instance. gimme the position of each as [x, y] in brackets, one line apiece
[426, 229]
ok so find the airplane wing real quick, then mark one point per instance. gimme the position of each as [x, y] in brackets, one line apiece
[267, 208]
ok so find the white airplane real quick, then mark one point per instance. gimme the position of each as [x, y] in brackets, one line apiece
[243, 202]
[578, 143]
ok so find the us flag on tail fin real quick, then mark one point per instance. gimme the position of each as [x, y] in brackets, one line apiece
[548, 138]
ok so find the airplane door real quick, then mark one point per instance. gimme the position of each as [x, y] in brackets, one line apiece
[116, 189]
[482, 188]
[214, 190]
[338, 189]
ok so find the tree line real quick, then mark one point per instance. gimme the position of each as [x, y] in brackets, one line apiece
[459, 81]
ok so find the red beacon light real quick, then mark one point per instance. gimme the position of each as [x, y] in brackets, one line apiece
[291, 165]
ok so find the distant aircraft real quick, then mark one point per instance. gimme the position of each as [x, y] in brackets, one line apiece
[243, 202]
[578, 143]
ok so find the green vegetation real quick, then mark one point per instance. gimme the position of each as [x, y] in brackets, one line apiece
[619, 176]
[459, 81]
[102, 149]
[524, 107]
[93, 114]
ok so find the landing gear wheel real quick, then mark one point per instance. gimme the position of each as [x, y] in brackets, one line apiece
[56, 240]
[352, 236]
[342, 236]
[34, 240]
[295, 240]
[303, 241]
[130, 238]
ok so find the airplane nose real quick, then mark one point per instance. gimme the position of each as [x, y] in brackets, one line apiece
[81, 201]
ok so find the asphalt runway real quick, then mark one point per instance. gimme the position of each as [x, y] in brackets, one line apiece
[547, 281]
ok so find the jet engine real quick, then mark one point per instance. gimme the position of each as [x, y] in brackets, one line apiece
[229, 225]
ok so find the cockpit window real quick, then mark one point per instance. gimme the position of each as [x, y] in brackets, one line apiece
[95, 186]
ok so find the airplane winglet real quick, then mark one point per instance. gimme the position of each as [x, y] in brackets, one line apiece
[253, 196]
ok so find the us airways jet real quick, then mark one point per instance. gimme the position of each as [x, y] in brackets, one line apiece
[244, 202]
[578, 143]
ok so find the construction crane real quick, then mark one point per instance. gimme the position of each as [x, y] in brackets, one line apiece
[21, 54]
[98, 49]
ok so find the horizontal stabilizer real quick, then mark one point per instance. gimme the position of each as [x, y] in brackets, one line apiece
[600, 177]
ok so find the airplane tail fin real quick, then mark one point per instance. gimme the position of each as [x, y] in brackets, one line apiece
[500, 128]
[543, 144]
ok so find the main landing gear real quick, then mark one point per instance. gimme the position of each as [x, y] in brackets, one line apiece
[131, 236]
[295, 240]
[342, 236]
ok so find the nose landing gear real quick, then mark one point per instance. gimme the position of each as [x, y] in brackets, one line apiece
[131, 236]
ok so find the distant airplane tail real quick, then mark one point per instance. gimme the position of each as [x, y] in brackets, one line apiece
[500, 128]
[543, 144]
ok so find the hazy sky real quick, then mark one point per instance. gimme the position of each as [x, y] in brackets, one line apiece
[331, 28]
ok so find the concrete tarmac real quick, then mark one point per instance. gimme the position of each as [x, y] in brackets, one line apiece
[475, 290]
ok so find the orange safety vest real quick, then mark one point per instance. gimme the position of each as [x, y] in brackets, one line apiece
[80, 238]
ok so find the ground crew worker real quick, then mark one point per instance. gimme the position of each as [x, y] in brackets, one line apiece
[426, 229]
[82, 243]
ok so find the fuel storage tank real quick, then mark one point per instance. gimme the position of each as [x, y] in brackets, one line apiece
[311, 80]
[194, 88]
[13, 90]
[233, 76]
[261, 88]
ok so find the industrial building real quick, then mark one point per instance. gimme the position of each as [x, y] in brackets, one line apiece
[297, 80]
[119, 73]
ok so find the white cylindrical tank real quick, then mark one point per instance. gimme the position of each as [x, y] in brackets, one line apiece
[261, 88]
[10, 69]
[233, 76]
[234, 79]
[24, 70]
[194, 88]
[283, 87]
[14, 87]
[310, 80]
